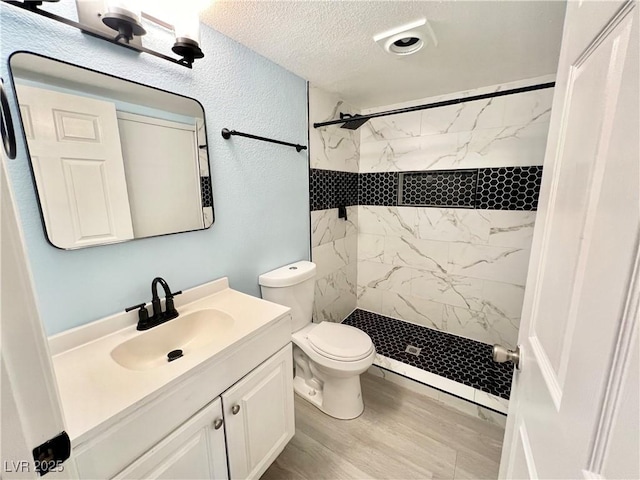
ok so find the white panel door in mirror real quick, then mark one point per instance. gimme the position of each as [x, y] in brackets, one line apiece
[78, 166]
[168, 201]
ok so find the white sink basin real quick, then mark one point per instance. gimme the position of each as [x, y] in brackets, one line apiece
[188, 332]
[106, 369]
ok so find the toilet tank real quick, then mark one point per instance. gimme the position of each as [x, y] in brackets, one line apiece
[292, 286]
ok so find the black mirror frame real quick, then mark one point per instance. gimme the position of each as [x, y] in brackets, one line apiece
[33, 176]
[6, 125]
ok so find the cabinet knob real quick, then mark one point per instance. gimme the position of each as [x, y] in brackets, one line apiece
[217, 423]
[235, 409]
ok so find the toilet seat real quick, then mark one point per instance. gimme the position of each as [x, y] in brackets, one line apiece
[340, 342]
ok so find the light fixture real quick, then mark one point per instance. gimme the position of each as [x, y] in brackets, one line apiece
[125, 17]
[99, 19]
[31, 4]
[187, 30]
[405, 43]
[406, 39]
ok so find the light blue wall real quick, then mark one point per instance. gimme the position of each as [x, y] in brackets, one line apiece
[260, 190]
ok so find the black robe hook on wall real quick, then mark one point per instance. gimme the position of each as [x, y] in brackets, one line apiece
[226, 134]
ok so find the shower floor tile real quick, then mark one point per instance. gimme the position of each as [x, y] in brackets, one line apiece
[455, 358]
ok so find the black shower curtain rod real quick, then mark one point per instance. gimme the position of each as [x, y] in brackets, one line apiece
[357, 120]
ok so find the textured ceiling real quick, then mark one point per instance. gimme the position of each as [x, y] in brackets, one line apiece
[330, 43]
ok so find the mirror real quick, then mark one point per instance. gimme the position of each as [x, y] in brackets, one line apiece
[112, 160]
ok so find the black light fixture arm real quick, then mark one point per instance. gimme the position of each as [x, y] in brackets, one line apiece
[444, 103]
[31, 7]
[226, 134]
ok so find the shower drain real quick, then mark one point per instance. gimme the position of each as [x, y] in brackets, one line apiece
[413, 350]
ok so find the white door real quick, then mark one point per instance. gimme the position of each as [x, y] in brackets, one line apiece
[574, 407]
[30, 413]
[196, 450]
[259, 416]
[163, 174]
[77, 160]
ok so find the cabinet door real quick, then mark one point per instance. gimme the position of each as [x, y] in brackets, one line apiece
[195, 450]
[259, 418]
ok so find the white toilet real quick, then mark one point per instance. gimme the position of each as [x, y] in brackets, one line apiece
[328, 357]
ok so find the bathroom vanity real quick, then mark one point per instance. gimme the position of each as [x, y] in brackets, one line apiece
[222, 410]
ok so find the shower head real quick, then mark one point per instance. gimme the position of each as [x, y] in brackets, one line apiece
[353, 122]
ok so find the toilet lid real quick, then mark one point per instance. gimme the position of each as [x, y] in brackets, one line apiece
[340, 342]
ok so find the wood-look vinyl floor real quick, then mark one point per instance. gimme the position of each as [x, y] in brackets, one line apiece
[400, 435]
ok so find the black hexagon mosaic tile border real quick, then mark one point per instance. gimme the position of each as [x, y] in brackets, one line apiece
[378, 188]
[456, 358]
[332, 189]
[513, 188]
[504, 188]
[207, 193]
[453, 188]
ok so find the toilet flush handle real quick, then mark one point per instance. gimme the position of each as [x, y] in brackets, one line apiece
[235, 409]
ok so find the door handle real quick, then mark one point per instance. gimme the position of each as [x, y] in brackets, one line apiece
[235, 409]
[502, 355]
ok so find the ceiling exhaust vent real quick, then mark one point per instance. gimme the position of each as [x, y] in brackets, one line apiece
[407, 39]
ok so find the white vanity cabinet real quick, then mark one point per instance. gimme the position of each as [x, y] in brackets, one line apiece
[222, 410]
[259, 416]
[258, 420]
[195, 450]
[245, 428]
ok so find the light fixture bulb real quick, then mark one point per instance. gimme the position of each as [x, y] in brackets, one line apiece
[124, 16]
[187, 30]
[188, 27]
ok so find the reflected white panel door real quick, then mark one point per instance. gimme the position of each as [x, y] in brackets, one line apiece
[168, 200]
[75, 150]
[574, 406]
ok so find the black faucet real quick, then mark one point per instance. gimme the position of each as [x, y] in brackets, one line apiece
[145, 322]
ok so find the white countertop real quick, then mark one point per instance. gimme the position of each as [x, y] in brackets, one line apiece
[94, 388]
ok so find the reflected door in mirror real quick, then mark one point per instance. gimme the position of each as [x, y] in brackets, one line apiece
[77, 161]
[169, 200]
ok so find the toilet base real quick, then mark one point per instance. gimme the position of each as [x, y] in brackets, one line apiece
[310, 394]
[339, 398]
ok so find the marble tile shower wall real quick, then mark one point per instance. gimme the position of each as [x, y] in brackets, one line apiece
[333, 240]
[457, 270]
